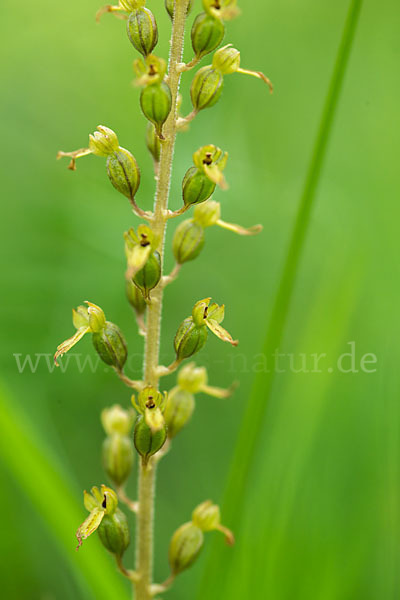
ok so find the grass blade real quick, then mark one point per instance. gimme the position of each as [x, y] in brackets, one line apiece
[49, 490]
[253, 417]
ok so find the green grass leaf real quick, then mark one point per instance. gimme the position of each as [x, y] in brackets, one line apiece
[54, 496]
[253, 418]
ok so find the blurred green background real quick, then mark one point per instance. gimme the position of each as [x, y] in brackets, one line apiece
[317, 516]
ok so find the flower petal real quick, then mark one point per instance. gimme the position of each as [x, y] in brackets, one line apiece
[68, 344]
[89, 525]
[220, 332]
[254, 230]
[154, 419]
[215, 312]
[89, 502]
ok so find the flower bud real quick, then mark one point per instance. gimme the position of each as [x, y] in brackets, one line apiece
[148, 442]
[192, 379]
[178, 411]
[156, 102]
[114, 532]
[103, 142]
[184, 547]
[142, 30]
[118, 457]
[117, 449]
[189, 339]
[207, 214]
[226, 60]
[206, 88]
[110, 345]
[117, 420]
[148, 277]
[188, 241]
[135, 297]
[196, 186]
[207, 34]
[169, 5]
[207, 517]
[153, 142]
[123, 172]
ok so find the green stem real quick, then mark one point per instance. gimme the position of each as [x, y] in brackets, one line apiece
[147, 474]
[253, 419]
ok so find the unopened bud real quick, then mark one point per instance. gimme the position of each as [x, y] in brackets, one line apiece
[142, 30]
[103, 142]
[207, 214]
[156, 103]
[170, 4]
[124, 172]
[195, 379]
[196, 186]
[206, 88]
[189, 339]
[207, 517]
[192, 379]
[207, 34]
[117, 420]
[118, 457]
[148, 442]
[226, 60]
[110, 345]
[178, 411]
[114, 532]
[148, 277]
[188, 241]
[153, 142]
[135, 297]
[185, 547]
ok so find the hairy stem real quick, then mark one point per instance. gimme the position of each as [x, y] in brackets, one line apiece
[147, 474]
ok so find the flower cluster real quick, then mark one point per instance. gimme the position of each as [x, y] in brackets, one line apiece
[155, 417]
